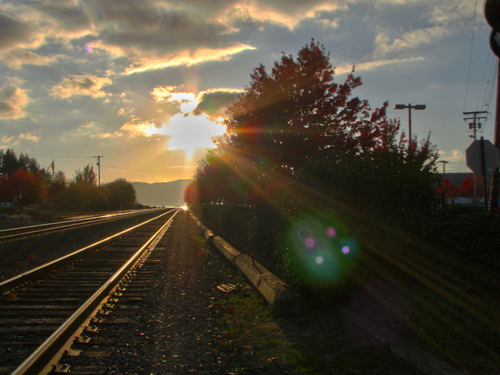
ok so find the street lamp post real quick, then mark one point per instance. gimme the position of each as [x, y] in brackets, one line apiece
[410, 107]
[443, 199]
[444, 163]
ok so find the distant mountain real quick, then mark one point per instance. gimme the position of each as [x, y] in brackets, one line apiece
[161, 193]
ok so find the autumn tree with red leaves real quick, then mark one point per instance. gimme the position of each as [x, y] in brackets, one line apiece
[450, 190]
[296, 111]
[295, 128]
[466, 188]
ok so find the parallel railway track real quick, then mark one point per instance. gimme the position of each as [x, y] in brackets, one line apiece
[21, 232]
[42, 309]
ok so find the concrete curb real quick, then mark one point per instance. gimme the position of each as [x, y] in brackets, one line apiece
[279, 295]
[416, 356]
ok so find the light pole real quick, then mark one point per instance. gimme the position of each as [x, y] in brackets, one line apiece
[410, 107]
[443, 199]
[444, 164]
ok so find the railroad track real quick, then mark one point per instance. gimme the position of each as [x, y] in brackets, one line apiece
[42, 310]
[21, 232]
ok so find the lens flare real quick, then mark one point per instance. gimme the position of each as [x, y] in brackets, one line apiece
[304, 234]
[331, 232]
[322, 251]
[310, 243]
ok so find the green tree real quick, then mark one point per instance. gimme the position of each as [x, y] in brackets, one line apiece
[121, 194]
[57, 184]
[10, 162]
[87, 176]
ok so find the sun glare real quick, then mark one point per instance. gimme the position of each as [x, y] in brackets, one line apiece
[189, 132]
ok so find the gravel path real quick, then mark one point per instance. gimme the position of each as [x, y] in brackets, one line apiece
[179, 326]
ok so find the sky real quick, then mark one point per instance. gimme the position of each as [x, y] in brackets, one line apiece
[144, 84]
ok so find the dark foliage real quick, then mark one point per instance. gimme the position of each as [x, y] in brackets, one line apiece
[301, 147]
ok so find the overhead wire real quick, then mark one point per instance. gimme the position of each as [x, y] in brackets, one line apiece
[462, 160]
[492, 83]
[483, 83]
[470, 54]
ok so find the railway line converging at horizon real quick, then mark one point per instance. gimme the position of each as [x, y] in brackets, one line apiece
[43, 308]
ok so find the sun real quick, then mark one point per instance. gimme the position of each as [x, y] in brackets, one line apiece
[189, 132]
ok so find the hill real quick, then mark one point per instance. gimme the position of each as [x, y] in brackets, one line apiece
[161, 193]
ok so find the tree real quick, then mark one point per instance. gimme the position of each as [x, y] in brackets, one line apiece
[57, 184]
[191, 193]
[87, 176]
[466, 188]
[121, 194]
[9, 162]
[448, 188]
[285, 117]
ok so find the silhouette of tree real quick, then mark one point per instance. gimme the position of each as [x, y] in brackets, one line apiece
[297, 110]
[121, 194]
[10, 162]
[87, 176]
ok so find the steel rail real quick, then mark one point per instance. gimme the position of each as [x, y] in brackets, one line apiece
[47, 227]
[42, 356]
[18, 280]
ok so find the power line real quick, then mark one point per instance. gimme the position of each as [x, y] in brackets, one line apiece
[483, 81]
[470, 55]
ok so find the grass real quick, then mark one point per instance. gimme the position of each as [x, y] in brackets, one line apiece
[315, 342]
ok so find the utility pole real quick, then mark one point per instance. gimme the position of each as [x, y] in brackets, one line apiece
[491, 12]
[474, 125]
[495, 177]
[99, 168]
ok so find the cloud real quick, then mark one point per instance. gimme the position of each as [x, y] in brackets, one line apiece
[107, 135]
[288, 14]
[163, 93]
[29, 137]
[211, 102]
[453, 156]
[453, 13]
[214, 102]
[183, 57]
[13, 32]
[25, 29]
[408, 41]
[12, 102]
[16, 58]
[150, 34]
[137, 127]
[371, 65]
[86, 84]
